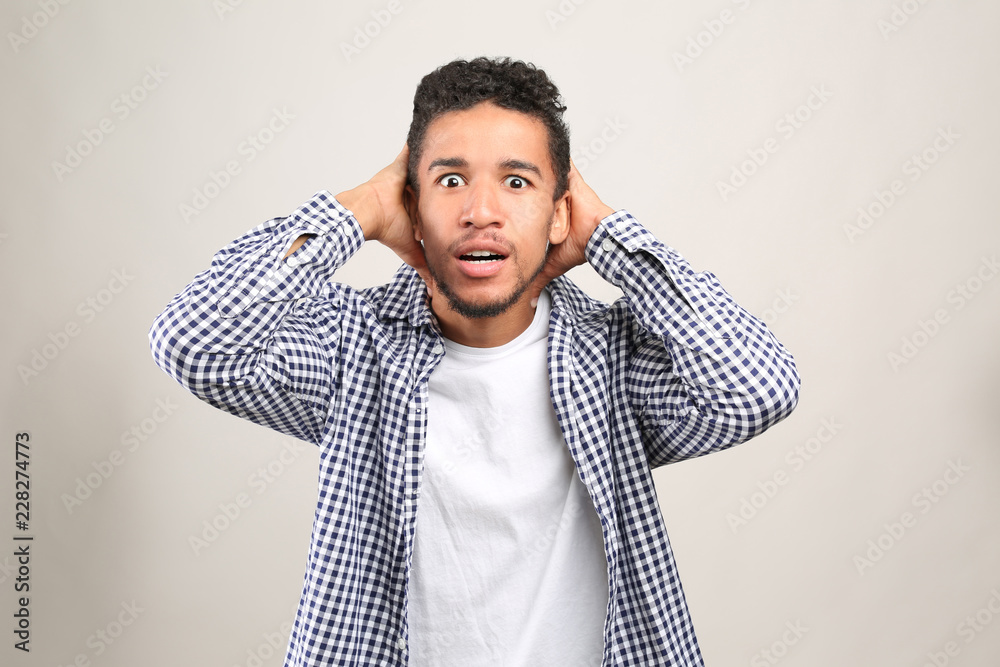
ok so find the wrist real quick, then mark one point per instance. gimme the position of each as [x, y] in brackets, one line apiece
[598, 217]
[362, 202]
[602, 214]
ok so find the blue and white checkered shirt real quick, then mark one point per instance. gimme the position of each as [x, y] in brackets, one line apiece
[673, 370]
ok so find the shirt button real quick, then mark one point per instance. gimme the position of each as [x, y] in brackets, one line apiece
[608, 245]
[438, 348]
[621, 225]
[401, 643]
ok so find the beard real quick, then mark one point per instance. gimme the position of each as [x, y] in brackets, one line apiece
[475, 310]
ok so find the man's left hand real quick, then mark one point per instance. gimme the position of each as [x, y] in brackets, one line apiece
[586, 210]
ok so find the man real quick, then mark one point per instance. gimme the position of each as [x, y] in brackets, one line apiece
[487, 431]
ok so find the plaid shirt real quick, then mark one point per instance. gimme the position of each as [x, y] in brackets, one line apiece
[673, 370]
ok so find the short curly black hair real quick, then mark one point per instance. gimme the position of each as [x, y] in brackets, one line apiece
[511, 84]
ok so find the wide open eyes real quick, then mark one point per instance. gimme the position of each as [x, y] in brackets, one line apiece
[452, 181]
[515, 182]
[455, 181]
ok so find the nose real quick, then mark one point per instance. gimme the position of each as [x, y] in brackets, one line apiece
[482, 206]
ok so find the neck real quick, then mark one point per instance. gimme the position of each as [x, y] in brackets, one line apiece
[484, 331]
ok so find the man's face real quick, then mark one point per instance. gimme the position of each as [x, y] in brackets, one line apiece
[485, 213]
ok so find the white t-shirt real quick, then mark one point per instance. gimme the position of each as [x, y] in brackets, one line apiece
[508, 564]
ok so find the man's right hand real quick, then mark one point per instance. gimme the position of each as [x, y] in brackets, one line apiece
[378, 205]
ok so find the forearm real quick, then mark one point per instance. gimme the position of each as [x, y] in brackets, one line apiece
[723, 377]
[359, 201]
[230, 336]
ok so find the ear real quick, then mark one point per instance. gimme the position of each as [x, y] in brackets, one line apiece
[559, 229]
[410, 203]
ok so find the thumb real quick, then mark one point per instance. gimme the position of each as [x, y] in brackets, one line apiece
[548, 273]
[413, 254]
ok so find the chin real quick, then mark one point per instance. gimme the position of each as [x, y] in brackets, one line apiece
[479, 301]
[482, 308]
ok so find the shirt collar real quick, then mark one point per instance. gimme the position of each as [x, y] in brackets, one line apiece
[406, 298]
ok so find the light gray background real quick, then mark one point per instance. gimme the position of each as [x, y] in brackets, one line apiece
[880, 432]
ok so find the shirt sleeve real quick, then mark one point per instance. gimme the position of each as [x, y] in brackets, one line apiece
[244, 335]
[704, 374]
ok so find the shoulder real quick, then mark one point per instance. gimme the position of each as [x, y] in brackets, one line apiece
[403, 299]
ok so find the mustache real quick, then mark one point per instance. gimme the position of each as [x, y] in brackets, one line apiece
[477, 235]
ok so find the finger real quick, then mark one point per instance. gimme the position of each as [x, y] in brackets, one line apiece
[574, 177]
[420, 264]
[576, 184]
[425, 274]
[535, 292]
[400, 164]
[549, 272]
[414, 256]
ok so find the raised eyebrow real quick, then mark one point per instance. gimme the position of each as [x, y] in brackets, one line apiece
[520, 165]
[449, 162]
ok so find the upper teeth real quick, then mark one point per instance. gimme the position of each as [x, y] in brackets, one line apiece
[480, 253]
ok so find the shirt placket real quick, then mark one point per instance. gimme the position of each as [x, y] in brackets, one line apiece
[431, 351]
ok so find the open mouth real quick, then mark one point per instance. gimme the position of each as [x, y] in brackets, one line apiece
[481, 257]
